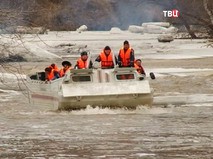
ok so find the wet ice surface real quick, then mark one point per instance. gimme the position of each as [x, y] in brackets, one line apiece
[146, 45]
[177, 131]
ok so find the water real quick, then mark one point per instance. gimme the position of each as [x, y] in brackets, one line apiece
[177, 131]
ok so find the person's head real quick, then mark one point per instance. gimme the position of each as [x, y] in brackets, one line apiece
[48, 70]
[107, 50]
[84, 56]
[52, 65]
[126, 44]
[138, 62]
[66, 64]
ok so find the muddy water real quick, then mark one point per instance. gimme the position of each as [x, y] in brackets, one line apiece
[179, 125]
[175, 131]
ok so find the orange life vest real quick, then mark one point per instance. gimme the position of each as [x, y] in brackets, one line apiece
[125, 56]
[50, 75]
[55, 68]
[106, 61]
[139, 68]
[63, 71]
[81, 64]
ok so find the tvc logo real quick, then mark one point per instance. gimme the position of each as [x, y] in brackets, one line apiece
[171, 13]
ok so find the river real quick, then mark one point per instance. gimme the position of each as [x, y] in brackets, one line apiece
[179, 125]
[174, 131]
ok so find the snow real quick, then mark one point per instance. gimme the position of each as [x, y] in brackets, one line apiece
[12, 81]
[22, 44]
[36, 50]
[135, 29]
[178, 71]
[82, 28]
[6, 76]
[115, 30]
[145, 45]
[162, 24]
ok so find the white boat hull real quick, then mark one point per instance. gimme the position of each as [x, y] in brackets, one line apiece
[129, 101]
[103, 90]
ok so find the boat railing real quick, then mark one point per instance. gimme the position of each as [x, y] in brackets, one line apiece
[124, 69]
[89, 58]
[81, 71]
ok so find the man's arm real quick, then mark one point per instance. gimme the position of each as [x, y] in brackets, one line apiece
[98, 59]
[132, 58]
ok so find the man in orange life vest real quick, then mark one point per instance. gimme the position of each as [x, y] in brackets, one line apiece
[106, 58]
[126, 56]
[55, 70]
[82, 62]
[54, 66]
[139, 67]
[66, 66]
[49, 74]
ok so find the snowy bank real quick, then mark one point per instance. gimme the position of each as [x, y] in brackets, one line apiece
[82, 28]
[135, 29]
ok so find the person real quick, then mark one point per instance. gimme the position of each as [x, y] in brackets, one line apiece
[54, 66]
[82, 62]
[126, 56]
[49, 74]
[66, 67]
[139, 67]
[55, 70]
[106, 58]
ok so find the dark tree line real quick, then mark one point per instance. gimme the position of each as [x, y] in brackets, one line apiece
[104, 14]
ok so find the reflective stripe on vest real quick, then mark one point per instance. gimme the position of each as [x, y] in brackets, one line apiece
[106, 61]
[125, 57]
[81, 64]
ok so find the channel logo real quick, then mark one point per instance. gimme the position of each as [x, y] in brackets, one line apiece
[171, 13]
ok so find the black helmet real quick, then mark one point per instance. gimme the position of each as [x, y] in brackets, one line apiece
[66, 63]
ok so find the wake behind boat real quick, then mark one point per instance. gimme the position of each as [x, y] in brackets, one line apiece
[115, 88]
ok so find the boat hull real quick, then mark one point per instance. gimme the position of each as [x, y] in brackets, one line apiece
[102, 88]
[128, 101]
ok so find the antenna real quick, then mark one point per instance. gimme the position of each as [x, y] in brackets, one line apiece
[89, 58]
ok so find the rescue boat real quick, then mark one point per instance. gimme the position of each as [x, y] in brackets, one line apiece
[79, 88]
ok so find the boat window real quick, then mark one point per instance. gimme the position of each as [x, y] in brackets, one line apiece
[125, 76]
[81, 78]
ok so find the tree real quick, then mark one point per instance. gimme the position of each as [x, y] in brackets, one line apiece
[209, 12]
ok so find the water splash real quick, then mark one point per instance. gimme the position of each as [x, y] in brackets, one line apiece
[139, 110]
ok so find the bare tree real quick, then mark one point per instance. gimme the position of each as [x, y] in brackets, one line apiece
[208, 11]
